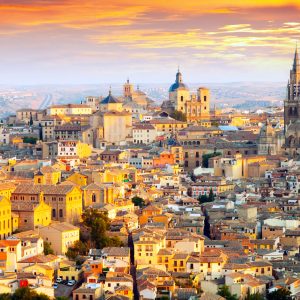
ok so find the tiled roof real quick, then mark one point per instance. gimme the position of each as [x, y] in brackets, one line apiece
[47, 189]
[116, 251]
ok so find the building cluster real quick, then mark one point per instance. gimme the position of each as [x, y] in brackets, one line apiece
[200, 199]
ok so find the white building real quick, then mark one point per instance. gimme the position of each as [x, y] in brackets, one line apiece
[143, 134]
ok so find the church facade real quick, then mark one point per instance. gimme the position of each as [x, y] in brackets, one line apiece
[292, 110]
[196, 107]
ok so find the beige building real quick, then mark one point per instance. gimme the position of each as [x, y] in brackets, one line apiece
[69, 109]
[60, 235]
[117, 127]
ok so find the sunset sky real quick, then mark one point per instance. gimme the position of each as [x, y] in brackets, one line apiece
[106, 41]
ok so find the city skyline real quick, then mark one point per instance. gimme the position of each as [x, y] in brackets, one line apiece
[82, 42]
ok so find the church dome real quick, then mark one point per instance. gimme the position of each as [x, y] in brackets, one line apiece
[178, 83]
[109, 99]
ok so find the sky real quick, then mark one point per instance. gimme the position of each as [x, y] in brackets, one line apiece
[108, 41]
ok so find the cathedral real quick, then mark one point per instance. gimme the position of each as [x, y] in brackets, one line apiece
[196, 107]
[292, 110]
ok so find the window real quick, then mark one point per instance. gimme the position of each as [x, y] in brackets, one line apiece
[93, 198]
[53, 213]
[60, 213]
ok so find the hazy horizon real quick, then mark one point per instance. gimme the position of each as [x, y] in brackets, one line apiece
[87, 41]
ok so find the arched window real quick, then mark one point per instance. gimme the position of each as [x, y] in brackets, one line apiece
[53, 213]
[60, 213]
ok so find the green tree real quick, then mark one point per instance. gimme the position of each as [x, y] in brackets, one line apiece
[27, 294]
[5, 296]
[29, 140]
[31, 120]
[79, 248]
[206, 157]
[138, 201]
[280, 294]
[225, 292]
[203, 199]
[211, 196]
[256, 296]
[47, 248]
[178, 115]
[98, 223]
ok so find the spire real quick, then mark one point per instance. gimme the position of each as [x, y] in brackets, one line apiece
[296, 65]
[109, 93]
[178, 76]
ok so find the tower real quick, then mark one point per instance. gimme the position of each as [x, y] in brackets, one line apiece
[292, 102]
[179, 93]
[292, 110]
[127, 89]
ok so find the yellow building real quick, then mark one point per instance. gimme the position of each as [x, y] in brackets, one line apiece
[83, 150]
[69, 109]
[167, 125]
[79, 179]
[5, 217]
[146, 249]
[31, 214]
[178, 262]
[60, 236]
[65, 200]
[240, 121]
[110, 103]
[47, 175]
[6, 189]
[68, 271]
[38, 269]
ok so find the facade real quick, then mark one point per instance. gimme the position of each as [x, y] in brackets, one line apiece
[117, 127]
[143, 134]
[60, 236]
[292, 110]
[64, 200]
[31, 214]
[270, 141]
[69, 109]
[196, 107]
[5, 217]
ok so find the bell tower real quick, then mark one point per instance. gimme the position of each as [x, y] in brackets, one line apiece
[127, 89]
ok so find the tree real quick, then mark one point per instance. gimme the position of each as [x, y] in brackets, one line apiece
[255, 296]
[78, 248]
[47, 248]
[178, 115]
[280, 294]
[98, 223]
[138, 201]
[225, 292]
[211, 196]
[26, 294]
[31, 120]
[202, 199]
[206, 157]
[29, 140]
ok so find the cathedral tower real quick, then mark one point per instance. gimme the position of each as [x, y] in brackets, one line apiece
[292, 110]
[292, 102]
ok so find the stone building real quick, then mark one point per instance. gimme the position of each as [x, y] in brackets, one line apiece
[292, 110]
[196, 107]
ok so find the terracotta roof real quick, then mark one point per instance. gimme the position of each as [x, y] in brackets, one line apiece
[47, 189]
